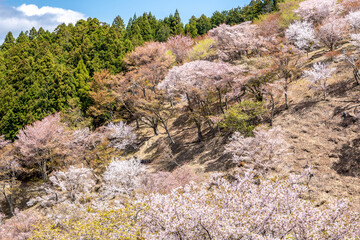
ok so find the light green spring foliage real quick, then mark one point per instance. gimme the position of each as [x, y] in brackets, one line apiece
[287, 14]
[202, 50]
[243, 117]
[108, 224]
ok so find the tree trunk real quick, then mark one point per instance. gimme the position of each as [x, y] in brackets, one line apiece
[197, 122]
[356, 76]
[164, 125]
[155, 130]
[211, 127]
[286, 94]
[43, 170]
[9, 201]
[111, 112]
[168, 133]
[220, 102]
[198, 126]
[272, 110]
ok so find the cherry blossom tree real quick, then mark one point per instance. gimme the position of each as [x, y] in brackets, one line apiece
[160, 109]
[75, 182]
[331, 32]
[353, 61]
[287, 63]
[318, 75]
[9, 184]
[180, 46]
[269, 26]
[356, 39]
[272, 93]
[39, 143]
[194, 81]
[126, 96]
[123, 177]
[3, 142]
[301, 34]
[165, 182]
[148, 66]
[120, 135]
[233, 42]
[145, 54]
[10, 169]
[316, 10]
[20, 226]
[263, 151]
[350, 5]
[245, 208]
[82, 145]
[72, 185]
[354, 20]
[84, 139]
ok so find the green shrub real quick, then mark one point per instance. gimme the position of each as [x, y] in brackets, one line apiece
[243, 117]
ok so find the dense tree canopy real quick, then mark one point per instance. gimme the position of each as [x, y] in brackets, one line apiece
[44, 72]
[103, 177]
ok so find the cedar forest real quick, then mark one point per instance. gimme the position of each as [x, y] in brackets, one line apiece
[109, 131]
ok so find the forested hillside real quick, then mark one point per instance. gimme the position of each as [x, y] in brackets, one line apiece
[42, 72]
[243, 125]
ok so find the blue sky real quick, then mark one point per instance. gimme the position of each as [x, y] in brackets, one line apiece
[22, 15]
[107, 10]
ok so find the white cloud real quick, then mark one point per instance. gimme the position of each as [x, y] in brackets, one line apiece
[59, 14]
[26, 16]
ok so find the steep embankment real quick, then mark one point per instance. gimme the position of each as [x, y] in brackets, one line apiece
[323, 134]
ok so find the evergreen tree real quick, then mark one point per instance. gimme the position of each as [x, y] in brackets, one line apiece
[82, 79]
[203, 25]
[22, 38]
[33, 34]
[177, 27]
[191, 28]
[217, 18]
[9, 41]
[136, 37]
[118, 23]
[147, 32]
[163, 32]
[42, 72]
[235, 16]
